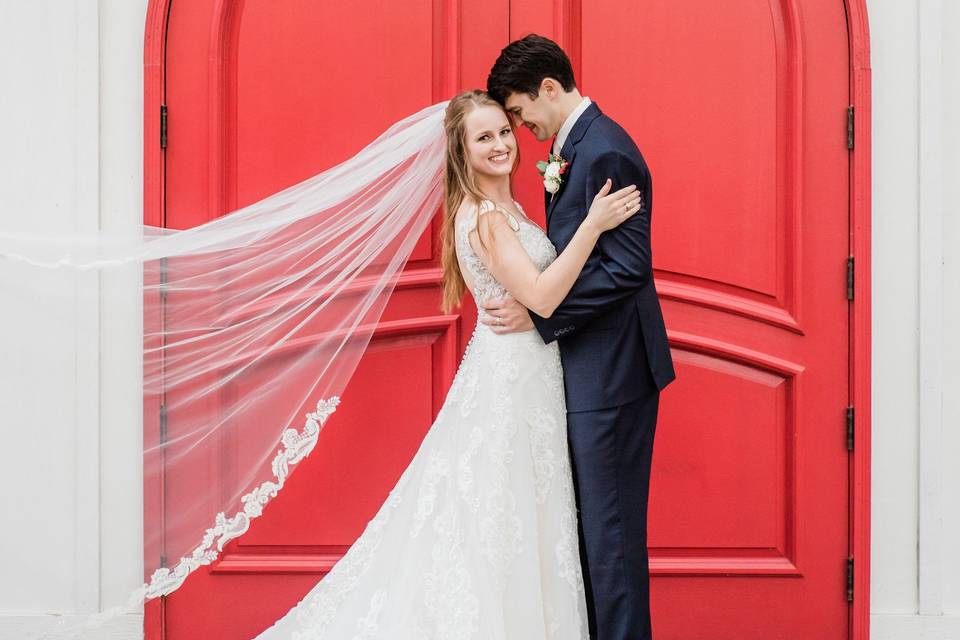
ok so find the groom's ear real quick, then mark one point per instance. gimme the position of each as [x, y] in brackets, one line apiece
[550, 88]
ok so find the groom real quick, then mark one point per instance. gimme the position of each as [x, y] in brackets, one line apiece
[609, 328]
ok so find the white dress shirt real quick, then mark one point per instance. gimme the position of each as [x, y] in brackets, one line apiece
[568, 125]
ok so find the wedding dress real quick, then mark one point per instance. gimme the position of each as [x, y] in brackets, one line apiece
[478, 538]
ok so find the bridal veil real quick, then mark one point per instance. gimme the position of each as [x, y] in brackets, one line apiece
[295, 282]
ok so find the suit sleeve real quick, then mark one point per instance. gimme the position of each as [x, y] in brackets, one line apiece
[620, 264]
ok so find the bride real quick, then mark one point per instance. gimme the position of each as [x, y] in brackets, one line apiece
[478, 538]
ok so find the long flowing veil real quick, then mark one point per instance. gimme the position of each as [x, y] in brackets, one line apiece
[253, 324]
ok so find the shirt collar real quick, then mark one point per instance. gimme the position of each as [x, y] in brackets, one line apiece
[568, 125]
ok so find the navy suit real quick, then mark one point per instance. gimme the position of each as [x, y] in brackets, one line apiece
[615, 362]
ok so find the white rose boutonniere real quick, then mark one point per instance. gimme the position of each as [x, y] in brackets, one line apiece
[552, 171]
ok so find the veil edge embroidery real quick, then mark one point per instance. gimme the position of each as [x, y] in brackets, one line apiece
[295, 447]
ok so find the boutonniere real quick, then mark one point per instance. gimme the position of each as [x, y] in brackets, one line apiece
[552, 171]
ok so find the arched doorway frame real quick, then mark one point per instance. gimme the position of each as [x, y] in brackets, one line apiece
[859, 244]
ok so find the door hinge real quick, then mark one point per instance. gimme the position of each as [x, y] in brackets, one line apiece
[163, 441]
[163, 424]
[850, 579]
[163, 279]
[163, 126]
[850, 131]
[850, 428]
[850, 274]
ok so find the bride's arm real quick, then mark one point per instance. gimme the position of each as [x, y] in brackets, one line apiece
[499, 247]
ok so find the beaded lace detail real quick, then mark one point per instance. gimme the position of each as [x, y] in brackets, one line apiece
[483, 286]
[478, 538]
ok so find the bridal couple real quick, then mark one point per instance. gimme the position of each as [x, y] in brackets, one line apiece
[523, 514]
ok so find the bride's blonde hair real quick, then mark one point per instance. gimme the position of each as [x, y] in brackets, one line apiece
[459, 181]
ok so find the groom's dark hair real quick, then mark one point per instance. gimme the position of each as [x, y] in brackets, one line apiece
[524, 63]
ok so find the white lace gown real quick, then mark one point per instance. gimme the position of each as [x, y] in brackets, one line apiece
[478, 538]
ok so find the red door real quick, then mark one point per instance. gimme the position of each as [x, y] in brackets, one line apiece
[261, 95]
[739, 109]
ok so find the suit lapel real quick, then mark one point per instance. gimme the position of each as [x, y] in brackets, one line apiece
[569, 150]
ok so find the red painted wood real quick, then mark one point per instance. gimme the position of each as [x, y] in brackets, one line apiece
[260, 97]
[740, 112]
[860, 365]
[154, 48]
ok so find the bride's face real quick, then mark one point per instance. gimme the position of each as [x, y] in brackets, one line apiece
[490, 145]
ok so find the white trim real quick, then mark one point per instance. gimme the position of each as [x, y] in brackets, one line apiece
[930, 303]
[27, 627]
[87, 578]
[914, 627]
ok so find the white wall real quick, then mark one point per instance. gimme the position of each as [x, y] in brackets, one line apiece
[70, 125]
[71, 143]
[916, 358]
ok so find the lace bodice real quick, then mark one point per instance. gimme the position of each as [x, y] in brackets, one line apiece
[482, 284]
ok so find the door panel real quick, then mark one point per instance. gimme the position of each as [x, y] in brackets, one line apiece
[740, 111]
[261, 96]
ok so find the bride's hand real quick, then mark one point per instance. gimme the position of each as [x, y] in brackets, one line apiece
[609, 210]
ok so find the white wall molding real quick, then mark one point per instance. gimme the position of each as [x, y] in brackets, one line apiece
[930, 309]
[71, 161]
[87, 413]
[121, 322]
[33, 627]
[914, 627]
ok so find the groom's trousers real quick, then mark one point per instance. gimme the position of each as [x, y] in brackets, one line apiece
[611, 451]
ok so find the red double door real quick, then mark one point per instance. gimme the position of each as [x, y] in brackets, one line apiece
[740, 110]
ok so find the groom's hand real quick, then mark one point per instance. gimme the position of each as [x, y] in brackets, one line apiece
[513, 316]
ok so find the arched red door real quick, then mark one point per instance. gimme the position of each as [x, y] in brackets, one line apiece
[740, 110]
[259, 96]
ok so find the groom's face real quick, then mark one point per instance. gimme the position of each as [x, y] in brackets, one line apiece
[539, 115]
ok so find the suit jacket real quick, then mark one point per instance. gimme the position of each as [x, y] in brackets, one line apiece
[609, 327]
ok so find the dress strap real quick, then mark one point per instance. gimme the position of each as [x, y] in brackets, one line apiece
[488, 205]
